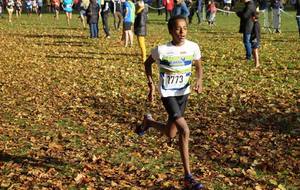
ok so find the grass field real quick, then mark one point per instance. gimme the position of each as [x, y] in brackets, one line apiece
[69, 105]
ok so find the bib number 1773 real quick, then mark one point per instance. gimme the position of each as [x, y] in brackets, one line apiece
[174, 81]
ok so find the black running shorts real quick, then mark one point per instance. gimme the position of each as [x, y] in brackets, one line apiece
[175, 106]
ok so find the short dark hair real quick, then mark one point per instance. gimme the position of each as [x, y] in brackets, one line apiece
[172, 21]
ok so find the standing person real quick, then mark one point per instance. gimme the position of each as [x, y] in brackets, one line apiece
[276, 6]
[159, 4]
[129, 14]
[191, 7]
[49, 6]
[264, 7]
[39, 7]
[169, 5]
[18, 8]
[1, 8]
[227, 6]
[199, 10]
[10, 9]
[68, 8]
[117, 13]
[140, 27]
[180, 9]
[34, 6]
[84, 4]
[246, 25]
[175, 60]
[104, 16]
[56, 6]
[28, 6]
[93, 13]
[297, 6]
[255, 39]
[212, 11]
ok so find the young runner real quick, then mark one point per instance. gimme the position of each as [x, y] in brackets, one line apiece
[175, 60]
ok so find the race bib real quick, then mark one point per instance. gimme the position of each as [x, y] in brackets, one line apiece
[175, 81]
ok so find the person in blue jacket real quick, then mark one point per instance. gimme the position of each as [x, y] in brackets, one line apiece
[180, 8]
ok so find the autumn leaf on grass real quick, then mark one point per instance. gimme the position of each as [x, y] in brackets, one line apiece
[55, 147]
[81, 179]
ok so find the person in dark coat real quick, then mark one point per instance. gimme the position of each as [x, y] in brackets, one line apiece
[93, 13]
[246, 25]
[297, 6]
[140, 26]
[105, 10]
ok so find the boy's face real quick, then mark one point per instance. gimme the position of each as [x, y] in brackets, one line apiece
[179, 32]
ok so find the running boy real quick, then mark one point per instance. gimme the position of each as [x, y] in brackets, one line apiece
[175, 60]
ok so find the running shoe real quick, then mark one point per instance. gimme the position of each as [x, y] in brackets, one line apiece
[191, 184]
[142, 128]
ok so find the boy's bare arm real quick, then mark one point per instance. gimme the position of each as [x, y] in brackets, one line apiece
[148, 71]
[199, 75]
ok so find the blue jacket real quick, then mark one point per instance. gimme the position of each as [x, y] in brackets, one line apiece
[181, 9]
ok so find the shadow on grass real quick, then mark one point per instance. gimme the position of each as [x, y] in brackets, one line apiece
[55, 36]
[282, 122]
[64, 43]
[79, 57]
[46, 162]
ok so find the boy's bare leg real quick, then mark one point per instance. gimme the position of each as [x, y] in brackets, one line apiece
[256, 57]
[130, 33]
[126, 37]
[184, 135]
[170, 129]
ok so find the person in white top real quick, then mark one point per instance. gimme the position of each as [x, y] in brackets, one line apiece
[175, 60]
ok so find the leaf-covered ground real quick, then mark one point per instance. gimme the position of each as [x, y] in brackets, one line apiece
[69, 105]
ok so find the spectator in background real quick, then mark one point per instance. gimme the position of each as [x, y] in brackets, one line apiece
[246, 25]
[104, 16]
[140, 26]
[297, 6]
[84, 4]
[49, 4]
[263, 7]
[92, 14]
[255, 39]
[212, 11]
[56, 7]
[199, 10]
[129, 16]
[1, 8]
[68, 8]
[10, 9]
[169, 6]
[227, 6]
[276, 6]
[180, 9]
[116, 10]
[34, 6]
[18, 8]
[159, 5]
[39, 7]
[28, 6]
[191, 7]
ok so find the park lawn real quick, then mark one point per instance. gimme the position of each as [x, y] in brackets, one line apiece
[69, 106]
